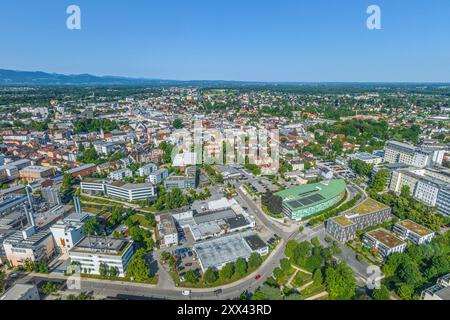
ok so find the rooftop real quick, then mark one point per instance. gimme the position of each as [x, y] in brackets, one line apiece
[385, 237]
[415, 227]
[102, 245]
[311, 194]
[343, 221]
[368, 206]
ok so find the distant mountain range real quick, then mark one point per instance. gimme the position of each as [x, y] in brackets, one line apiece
[39, 78]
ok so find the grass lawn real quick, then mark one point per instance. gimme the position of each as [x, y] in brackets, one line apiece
[285, 277]
[153, 280]
[141, 220]
[301, 279]
[312, 290]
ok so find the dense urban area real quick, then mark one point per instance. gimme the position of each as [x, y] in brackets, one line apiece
[103, 195]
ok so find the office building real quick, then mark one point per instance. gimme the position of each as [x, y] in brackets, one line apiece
[92, 252]
[167, 229]
[119, 189]
[69, 231]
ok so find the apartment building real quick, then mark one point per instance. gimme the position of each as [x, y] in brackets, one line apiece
[439, 291]
[32, 173]
[158, 176]
[414, 232]
[368, 213]
[383, 241]
[92, 252]
[120, 174]
[148, 169]
[443, 201]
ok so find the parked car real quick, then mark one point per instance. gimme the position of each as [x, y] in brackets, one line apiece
[186, 292]
[258, 276]
[188, 264]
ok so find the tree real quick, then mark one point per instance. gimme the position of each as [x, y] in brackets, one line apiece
[340, 281]
[150, 219]
[227, 271]
[116, 216]
[278, 273]
[177, 123]
[191, 276]
[165, 255]
[103, 269]
[138, 268]
[113, 271]
[285, 264]
[210, 276]
[317, 277]
[254, 261]
[91, 226]
[381, 294]
[273, 202]
[67, 185]
[379, 180]
[241, 267]
[2, 281]
[409, 273]
[405, 291]
[267, 292]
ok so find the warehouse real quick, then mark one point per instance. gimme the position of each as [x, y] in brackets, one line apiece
[216, 253]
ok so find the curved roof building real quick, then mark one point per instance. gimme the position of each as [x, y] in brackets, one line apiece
[303, 201]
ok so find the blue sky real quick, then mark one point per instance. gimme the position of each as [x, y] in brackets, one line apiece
[262, 40]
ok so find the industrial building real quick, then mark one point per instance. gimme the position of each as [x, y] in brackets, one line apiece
[303, 201]
[216, 253]
[69, 231]
[167, 229]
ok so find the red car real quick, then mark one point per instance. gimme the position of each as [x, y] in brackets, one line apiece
[258, 276]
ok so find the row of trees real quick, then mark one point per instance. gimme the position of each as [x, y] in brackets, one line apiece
[418, 267]
[405, 206]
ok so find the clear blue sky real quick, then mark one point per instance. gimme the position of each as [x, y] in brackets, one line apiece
[264, 40]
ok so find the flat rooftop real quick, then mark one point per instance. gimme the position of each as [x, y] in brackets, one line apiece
[219, 251]
[101, 245]
[343, 221]
[367, 206]
[415, 227]
[385, 237]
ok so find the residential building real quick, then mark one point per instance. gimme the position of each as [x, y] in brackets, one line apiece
[158, 176]
[148, 169]
[443, 201]
[120, 174]
[414, 232]
[383, 241]
[366, 214]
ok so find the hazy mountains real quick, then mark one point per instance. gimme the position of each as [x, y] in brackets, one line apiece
[38, 78]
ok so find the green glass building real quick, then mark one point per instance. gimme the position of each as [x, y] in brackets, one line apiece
[303, 201]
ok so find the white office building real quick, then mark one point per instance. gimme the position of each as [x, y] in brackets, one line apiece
[92, 252]
[120, 190]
